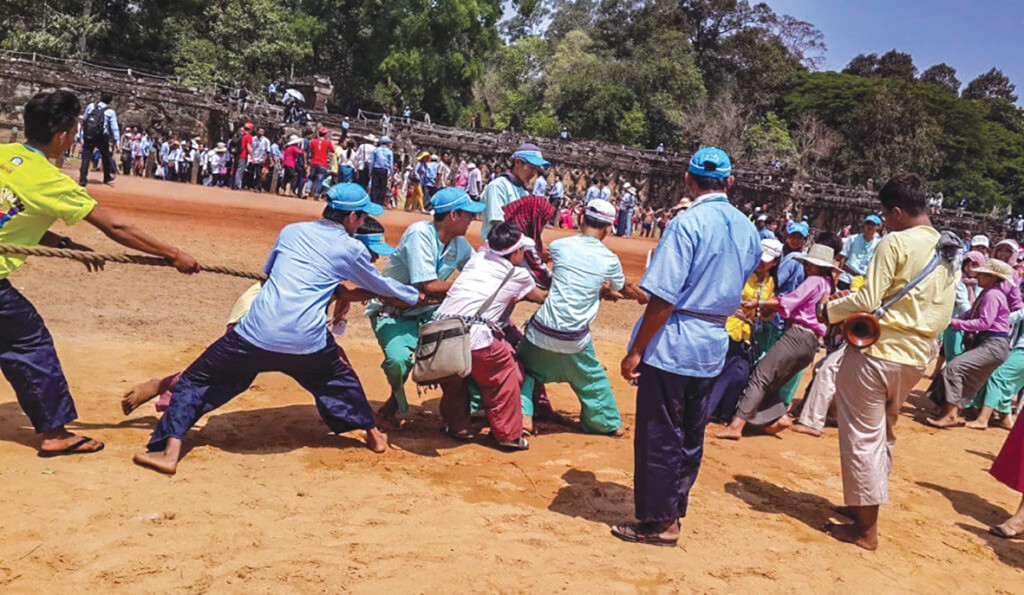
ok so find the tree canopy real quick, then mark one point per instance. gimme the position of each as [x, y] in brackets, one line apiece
[637, 72]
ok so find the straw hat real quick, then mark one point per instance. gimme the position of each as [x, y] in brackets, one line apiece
[996, 268]
[423, 155]
[221, 148]
[293, 140]
[820, 255]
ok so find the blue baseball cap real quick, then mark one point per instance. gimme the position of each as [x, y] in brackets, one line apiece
[530, 154]
[798, 227]
[453, 198]
[375, 243]
[711, 163]
[347, 196]
[873, 219]
[385, 140]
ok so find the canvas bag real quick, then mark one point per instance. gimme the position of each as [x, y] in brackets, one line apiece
[443, 350]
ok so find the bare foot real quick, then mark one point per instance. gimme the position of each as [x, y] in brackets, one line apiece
[376, 440]
[849, 512]
[164, 461]
[528, 424]
[62, 442]
[802, 429]
[139, 394]
[730, 433]
[1007, 422]
[781, 425]
[977, 425]
[389, 409]
[850, 533]
[158, 460]
[619, 433]
[944, 422]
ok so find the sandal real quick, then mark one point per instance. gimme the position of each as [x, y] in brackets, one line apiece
[635, 533]
[520, 444]
[72, 449]
[462, 436]
[1004, 532]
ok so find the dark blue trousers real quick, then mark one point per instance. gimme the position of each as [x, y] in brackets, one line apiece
[229, 366]
[29, 362]
[728, 387]
[671, 413]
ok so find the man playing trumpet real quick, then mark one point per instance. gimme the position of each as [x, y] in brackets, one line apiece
[873, 382]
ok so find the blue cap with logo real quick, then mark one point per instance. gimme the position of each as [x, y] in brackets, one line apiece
[375, 243]
[799, 227]
[873, 219]
[347, 196]
[530, 154]
[711, 163]
[453, 198]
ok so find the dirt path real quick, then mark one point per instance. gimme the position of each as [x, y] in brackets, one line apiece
[268, 501]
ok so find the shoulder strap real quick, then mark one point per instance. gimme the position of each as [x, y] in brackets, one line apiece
[490, 300]
[946, 249]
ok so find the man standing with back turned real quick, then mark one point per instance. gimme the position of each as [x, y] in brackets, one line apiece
[872, 383]
[99, 128]
[679, 344]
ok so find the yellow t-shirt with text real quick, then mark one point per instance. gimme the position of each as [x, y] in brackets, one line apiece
[33, 195]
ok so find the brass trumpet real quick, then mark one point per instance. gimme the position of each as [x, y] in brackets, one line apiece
[862, 329]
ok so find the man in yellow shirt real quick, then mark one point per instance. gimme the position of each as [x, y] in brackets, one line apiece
[33, 195]
[872, 383]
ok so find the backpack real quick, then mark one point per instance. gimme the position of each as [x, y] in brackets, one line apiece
[92, 127]
[235, 146]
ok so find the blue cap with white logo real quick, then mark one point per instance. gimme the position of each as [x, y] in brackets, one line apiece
[347, 196]
[798, 227]
[711, 163]
[531, 154]
[453, 198]
[873, 219]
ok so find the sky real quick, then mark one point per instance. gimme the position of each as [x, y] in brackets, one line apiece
[972, 37]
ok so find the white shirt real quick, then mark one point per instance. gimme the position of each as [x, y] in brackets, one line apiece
[477, 282]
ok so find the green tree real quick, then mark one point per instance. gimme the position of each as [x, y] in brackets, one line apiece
[944, 76]
[993, 84]
[51, 28]
[865, 65]
[769, 140]
[896, 65]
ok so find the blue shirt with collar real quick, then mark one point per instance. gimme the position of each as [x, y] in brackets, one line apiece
[701, 263]
[592, 193]
[110, 127]
[305, 266]
[557, 189]
[382, 158]
[540, 187]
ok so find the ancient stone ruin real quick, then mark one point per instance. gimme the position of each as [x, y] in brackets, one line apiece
[167, 107]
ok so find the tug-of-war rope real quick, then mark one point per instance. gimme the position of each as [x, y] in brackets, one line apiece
[102, 257]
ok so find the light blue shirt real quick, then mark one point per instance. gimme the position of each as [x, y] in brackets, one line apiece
[424, 174]
[382, 158]
[582, 264]
[110, 127]
[557, 189]
[540, 187]
[498, 193]
[431, 178]
[858, 253]
[420, 257]
[592, 193]
[305, 266]
[701, 263]
[606, 193]
[767, 234]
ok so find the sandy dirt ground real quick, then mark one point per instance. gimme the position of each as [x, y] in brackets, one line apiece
[267, 500]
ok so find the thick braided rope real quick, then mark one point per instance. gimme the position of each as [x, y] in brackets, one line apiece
[143, 259]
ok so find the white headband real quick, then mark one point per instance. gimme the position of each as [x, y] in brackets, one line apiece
[519, 244]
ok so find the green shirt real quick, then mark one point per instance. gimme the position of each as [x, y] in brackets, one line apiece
[33, 195]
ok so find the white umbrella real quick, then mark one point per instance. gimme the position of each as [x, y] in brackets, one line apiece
[295, 95]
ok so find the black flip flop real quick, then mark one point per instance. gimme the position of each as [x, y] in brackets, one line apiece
[71, 450]
[1003, 533]
[467, 437]
[630, 534]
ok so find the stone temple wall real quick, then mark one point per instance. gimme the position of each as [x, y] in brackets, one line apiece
[161, 106]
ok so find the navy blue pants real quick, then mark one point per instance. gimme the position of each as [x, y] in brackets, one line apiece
[727, 389]
[29, 362]
[229, 366]
[671, 413]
